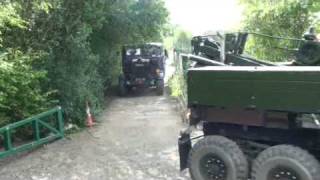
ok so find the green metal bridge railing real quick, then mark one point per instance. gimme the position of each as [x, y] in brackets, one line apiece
[38, 123]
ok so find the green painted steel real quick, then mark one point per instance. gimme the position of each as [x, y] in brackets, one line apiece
[36, 122]
[280, 88]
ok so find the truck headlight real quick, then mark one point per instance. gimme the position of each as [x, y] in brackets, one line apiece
[160, 73]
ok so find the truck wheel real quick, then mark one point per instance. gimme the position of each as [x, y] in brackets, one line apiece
[218, 158]
[285, 162]
[123, 89]
[160, 87]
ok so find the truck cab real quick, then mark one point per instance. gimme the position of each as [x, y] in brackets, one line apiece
[143, 66]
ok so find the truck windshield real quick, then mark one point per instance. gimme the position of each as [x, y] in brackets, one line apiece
[133, 52]
[152, 51]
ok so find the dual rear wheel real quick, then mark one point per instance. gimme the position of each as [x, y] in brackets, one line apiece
[285, 162]
[219, 158]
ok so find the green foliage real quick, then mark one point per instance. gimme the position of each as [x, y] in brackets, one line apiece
[20, 87]
[181, 41]
[9, 17]
[78, 41]
[286, 18]
[177, 85]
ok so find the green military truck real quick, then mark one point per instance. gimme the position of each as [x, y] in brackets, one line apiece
[259, 120]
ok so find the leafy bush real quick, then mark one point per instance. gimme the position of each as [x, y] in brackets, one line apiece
[286, 18]
[20, 88]
[21, 93]
[78, 43]
[181, 41]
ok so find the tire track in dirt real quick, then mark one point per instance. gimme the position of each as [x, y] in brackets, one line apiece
[136, 139]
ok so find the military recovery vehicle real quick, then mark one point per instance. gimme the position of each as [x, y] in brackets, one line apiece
[143, 66]
[259, 119]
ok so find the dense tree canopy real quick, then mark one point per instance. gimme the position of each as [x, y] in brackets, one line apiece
[286, 18]
[67, 51]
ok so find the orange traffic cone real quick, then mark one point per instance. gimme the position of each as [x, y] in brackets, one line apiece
[90, 122]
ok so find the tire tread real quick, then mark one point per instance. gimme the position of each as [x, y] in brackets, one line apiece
[228, 146]
[289, 151]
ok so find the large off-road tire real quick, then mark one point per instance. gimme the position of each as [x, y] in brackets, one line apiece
[123, 89]
[217, 158]
[285, 162]
[160, 87]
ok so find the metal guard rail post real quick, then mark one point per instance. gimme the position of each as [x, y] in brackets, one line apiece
[36, 122]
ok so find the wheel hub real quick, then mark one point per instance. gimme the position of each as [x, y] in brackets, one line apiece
[213, 168]
[283, 174]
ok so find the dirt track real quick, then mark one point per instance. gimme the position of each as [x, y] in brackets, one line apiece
[136, 139]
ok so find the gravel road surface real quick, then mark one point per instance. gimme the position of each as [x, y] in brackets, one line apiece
[135, 140]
